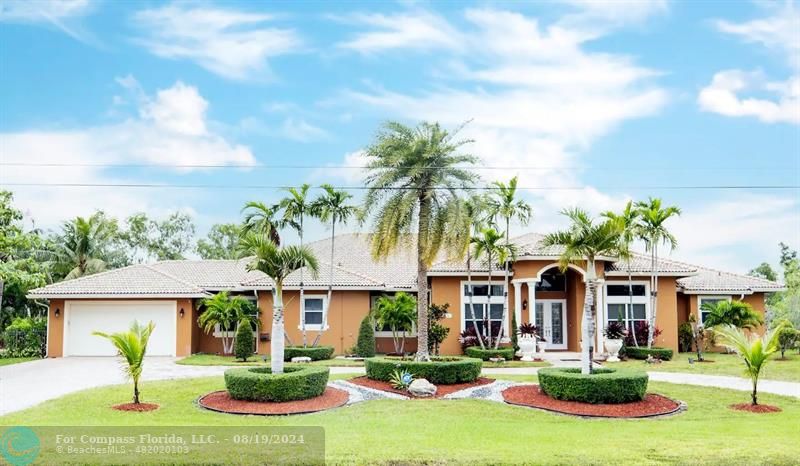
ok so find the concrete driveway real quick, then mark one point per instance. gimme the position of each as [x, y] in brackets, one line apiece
[27, 384]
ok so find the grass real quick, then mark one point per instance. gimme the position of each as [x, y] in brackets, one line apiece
[10, 361]
[217, 360]
[473, 431]
[724, 364]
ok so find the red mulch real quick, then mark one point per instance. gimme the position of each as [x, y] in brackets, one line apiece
[759, 409]
[222, 402]
[441, 390]
[532, 396]
[141, 407]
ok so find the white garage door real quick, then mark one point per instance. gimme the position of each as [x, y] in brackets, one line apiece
[83, 318]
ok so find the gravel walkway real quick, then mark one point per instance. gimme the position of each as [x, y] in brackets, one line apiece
[359, 393]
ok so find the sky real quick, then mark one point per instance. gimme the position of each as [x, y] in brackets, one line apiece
[589, 103]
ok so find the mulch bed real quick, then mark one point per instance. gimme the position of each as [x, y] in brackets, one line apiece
[532, 396]
[441, 390]
[140, 408]
[759, 409]
[220, 401]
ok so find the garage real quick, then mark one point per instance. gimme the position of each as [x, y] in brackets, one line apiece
[84, 317]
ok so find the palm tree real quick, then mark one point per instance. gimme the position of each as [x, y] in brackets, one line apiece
[630, 221]
[653, 230]
[277, 263]
[132, 345]
[488, 245]
[332, 206]
[753, 350]
[399, 313]
[415, 178]
[295, 207]
[261, 218]
[80, 249]
[504, 205]
[736, 313]
[226, 311]
[586, 240]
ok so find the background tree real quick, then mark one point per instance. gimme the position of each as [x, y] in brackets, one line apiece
[332, 206]
[765, 271]
[754, 351]
[586, 240]
[653, 229]
[788, 336]
[630, 231]
[489, 245]
[221, 242]
[736, 313]
[132, 346]
[399, 314]
[295, 208]
[149, 239]
[82, 248]
[415, 178]
[262, 218]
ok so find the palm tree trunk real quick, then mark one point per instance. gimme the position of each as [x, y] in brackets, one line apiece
[505, 293]
[754, 394]
[487, 328]
[587, 331]
[302, 285]
[629, 312]
[422, 277]
[136, 390]
[650, 320]
[469, 287]
[653, 316]
[276, 343]
[330, 285]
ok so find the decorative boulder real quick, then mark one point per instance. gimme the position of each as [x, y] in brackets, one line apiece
[422, 388]
[305, 359]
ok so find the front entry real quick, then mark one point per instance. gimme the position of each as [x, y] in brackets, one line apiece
[551, 317]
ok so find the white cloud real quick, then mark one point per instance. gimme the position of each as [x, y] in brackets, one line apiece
[350, 170]
[297, 129]
[231, 43]
[779, 32]
[413, 29]
[61, 14]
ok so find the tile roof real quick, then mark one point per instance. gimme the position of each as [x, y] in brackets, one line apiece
[716, 281]
[640, 263]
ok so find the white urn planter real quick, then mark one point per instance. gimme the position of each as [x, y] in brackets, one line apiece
[527, 346]
[613, 347]
[542, 346]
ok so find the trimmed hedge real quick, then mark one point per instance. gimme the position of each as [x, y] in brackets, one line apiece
[440, 370]
[602, 386]
[664, 354]
[365, 345]
[486, 354]
[316, 353]
[298, 382]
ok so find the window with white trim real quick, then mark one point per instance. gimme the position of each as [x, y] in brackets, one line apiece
[627, 303]
[701, 300]
[314, 308]
[488, 309]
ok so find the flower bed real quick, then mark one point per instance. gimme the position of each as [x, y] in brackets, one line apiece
[664, 354]
[316, 353]
[602, 386]
[260, 384]
[439, 370]
[221, 401]
[486, 354]
[442, 390]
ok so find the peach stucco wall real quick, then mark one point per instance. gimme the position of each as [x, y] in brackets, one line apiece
[55, 329]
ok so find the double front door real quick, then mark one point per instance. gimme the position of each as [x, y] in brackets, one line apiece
[551, 319]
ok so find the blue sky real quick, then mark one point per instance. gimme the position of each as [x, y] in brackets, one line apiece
[591, 103]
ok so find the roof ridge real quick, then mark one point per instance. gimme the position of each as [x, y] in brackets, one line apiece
[84, 277]
[169, 275]
[749, 277]
[353, 272]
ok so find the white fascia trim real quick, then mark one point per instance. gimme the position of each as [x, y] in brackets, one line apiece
[718, 292]
[495, 273]
[647, 274]
[556, 256]
[117, 296]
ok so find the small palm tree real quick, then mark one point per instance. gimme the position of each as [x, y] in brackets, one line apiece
[754, 350]
[277, 263]
[736, 313]
[226, 311]
[415, 178]
[332, 207]
[132, 346]
[295, 207]
[586, 240]
[399, 314]
[630, 221]
[262, 218]
[489, 245]
[653, 230]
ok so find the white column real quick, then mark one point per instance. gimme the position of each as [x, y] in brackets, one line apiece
[532, 302]
[517, 303]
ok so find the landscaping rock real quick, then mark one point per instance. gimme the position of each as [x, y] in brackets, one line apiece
[304, 359]
[422, 388]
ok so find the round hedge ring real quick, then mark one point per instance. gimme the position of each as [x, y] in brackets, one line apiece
[602, 386]
[260, 384]
[439, 370]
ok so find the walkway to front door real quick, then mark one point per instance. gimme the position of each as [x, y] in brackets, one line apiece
[551, 317]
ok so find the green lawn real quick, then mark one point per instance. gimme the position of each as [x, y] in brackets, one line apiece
[724, 364]
[217, 360]
[473, 431]
[10, 361]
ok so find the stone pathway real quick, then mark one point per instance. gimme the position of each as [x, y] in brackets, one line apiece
[358, 393]
[490, 392]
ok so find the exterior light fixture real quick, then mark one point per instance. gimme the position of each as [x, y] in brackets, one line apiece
[58, 312]
[524, 304]
[181, 313]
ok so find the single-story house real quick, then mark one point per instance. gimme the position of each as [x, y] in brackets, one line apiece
[170, 293]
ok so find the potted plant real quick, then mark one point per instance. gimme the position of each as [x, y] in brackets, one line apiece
[614, 333]
[527, 341]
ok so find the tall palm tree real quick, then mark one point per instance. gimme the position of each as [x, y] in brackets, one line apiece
[331, 206]
[277, 263]
[415, 177]
[630, 221]
[503, 204]
[488, 244]
[586, 240]
[81, 247]
[295, 207]
[262, 218]
[653, 230]
[132, 346]
[754, 350]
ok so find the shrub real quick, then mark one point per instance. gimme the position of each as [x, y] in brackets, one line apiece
[365, 345]
[641, 329]
[515, 330]
[437, 332]
[665, 354]
[615, 330]
[685, 337]
[602, 386]
[467, 338]
[488, 353]
[243, 345]
[260, 384]
[440, 370]
[316, 353]
[25, 337]
[401, 380]
[787, 337]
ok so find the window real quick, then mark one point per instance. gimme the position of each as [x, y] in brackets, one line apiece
[488, 309]
[552, 281]
[619, 307]
[314, 307]
[702, 300]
